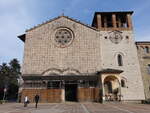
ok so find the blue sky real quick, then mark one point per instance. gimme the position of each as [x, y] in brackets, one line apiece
[18, 15]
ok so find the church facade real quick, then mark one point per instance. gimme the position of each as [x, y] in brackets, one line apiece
[66, 60]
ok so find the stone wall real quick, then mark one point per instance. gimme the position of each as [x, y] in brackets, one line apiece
[41, 53]
[144, 59]
[132, 74]
[90, 51]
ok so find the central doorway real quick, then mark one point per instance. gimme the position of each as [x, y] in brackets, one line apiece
[71, 92]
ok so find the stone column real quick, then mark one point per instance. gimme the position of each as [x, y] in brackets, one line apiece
[105, 22]
[63, 95]
[99, 21]
[114, 20]
[103, 91]
[119, 22]
[62, 91]
[120, 92]
[119, 88]
[129, 21]
[102, 88]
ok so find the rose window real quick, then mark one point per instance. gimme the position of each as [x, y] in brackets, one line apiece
[63, 37]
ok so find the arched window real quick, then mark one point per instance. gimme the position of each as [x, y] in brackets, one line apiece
[123, 83]
[120, 61]
[147, 49]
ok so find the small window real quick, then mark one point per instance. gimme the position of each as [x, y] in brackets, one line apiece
[105, 37]
[120, 61]
[123, 83]
[146, 49]
[148, 68]
[127, 37]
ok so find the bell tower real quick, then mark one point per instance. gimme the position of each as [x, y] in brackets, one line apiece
[118, 50]
[105, 21]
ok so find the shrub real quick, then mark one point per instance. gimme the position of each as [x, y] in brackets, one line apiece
[2, 101]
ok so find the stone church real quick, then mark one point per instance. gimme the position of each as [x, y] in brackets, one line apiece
[66, 60]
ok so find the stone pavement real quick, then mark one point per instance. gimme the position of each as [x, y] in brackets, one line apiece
[75, 108]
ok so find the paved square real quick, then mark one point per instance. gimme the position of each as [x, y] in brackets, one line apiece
[75, 108]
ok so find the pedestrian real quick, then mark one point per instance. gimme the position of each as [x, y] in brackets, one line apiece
[26, 100]
[36, 98]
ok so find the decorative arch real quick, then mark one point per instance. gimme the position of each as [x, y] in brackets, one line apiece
[55, 71]
[51, 71]
[122, 54]
[111, 78]
[124, 78]
[71, 71]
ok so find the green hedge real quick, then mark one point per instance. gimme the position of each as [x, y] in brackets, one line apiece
[2, 101]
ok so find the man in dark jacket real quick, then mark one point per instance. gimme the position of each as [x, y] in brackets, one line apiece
[36, 98]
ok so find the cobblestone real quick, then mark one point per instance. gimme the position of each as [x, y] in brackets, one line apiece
[69, 107]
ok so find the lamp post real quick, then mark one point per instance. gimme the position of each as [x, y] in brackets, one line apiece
[20, 84]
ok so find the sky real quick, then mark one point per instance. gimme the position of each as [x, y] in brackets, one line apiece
[18, 15]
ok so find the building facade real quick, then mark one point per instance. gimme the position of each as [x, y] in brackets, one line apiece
[66, 60]
[144, 58]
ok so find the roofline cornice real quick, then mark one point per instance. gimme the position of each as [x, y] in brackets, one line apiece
[39, 25]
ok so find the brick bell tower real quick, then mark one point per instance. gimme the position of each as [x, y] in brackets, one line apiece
[106, 21]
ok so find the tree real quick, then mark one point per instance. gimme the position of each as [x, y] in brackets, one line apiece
[15, 67]
[4, 77]
[8, 78]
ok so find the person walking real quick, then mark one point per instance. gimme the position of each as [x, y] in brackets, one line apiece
[36, 100]
[26, 100]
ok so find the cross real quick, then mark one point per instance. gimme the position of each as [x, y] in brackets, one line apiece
[63, 11]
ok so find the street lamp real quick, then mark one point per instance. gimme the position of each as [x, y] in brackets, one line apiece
[20, 83]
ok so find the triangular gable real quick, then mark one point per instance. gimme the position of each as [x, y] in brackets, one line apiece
[58, 18]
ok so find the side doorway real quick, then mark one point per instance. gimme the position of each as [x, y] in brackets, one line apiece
[112, 88]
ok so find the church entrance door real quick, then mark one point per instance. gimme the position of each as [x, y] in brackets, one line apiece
[71, 92]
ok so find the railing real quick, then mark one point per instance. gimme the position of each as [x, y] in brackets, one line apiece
[113, 97]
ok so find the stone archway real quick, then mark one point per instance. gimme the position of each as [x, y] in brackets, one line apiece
[111, 88]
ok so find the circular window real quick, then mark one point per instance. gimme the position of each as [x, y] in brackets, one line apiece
[63, 37]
